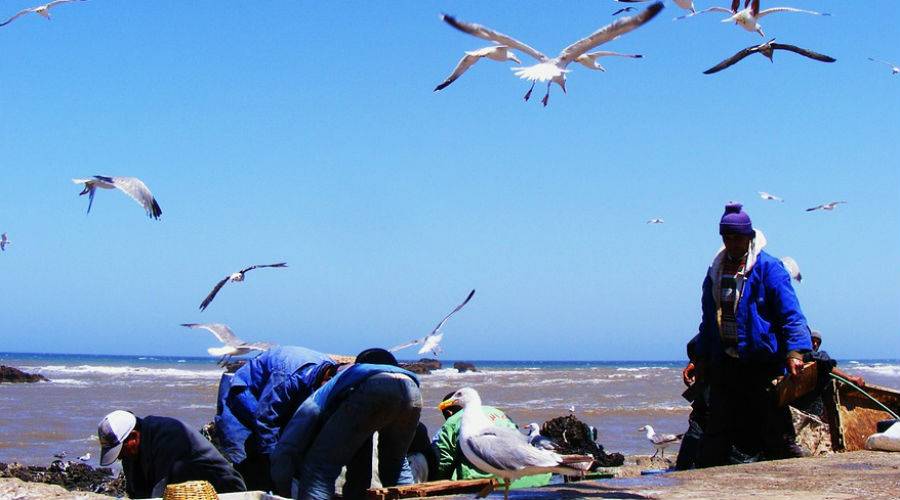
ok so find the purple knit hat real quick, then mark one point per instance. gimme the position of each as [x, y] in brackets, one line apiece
[735, 221]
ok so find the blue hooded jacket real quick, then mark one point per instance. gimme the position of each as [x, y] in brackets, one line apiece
[239, 403]
[770, 322]
[300, 432]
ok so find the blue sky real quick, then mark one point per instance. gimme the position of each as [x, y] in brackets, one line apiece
[309, 133]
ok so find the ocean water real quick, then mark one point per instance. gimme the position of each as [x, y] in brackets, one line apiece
[38, 420]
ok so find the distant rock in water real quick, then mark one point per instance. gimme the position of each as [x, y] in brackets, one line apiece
[422, 366]
[463, 367]
[10, 374]
[73, 476]
[574, 438]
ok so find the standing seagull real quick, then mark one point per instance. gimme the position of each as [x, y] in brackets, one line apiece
[233, 345]
[430, 342]
[766, 196]
[660, 441]
[41, 10]
[792, 268]
[132, 186]
[657, 220]
[85, 457]
[537, 440]
[235, 277]
[894, 68]
[3, 242]
[495, 53]
[553, 70]
[826, 206]
[505, 452]
[768, 49]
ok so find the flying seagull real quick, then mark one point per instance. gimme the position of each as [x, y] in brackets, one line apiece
[748, 17]
[792, 268]
[766, 196]
[132, 186]
[41, 10]
[589, 60]
[894, 69]
[430, 342]
[768, 49]
[3, 242]
[233, 345]
[494, 52]
[504, 452]
[537, 440]
[684, 4]
[626, 9]
[235, 277]
[826, 206]
[656, 221]
[553, 70]
[660, 441]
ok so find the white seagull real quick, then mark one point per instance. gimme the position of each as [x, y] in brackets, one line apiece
[235, 277]
[768, 49]
[553, 70]
[41, 10]
[657, 220]
[132, 186]
[234, 346]
[792, 268]
[894, 69]
[766, 196]
[660, 441]
[748, 17]
[430, 342]
[537, 440]
[589, 60]
[85, 457]
[503, 452]
[826, 206]
[4, 240]
[495, 53]
[684, 4]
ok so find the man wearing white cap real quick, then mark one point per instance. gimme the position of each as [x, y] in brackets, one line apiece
[156, 451]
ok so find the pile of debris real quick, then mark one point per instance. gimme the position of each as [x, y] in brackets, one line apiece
[73, 476]
[574, 437]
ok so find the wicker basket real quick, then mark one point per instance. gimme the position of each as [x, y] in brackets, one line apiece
[191, 490]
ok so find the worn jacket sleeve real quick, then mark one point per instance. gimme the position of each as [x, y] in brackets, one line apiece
[275, 409]
[704, 338]
[445, 448]
[795, 333]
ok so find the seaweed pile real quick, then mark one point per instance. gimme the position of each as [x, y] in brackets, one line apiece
[73, 476]
[574, 437]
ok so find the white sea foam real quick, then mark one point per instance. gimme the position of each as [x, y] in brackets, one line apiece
[642, 368]
[197, 407]
[884, 369]
[69, 381]
[128, 371]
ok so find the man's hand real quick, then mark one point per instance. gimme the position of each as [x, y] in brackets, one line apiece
[794, 365]
[687, 375]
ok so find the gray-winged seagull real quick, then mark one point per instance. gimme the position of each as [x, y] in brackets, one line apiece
[537, 440]
[553, 70]
[41, 10]
[894, 68]
[505, 452]
[826, 206]
[768, 49]
[234, 277]
[660, 441]
[234, 346]
[4, 240]
[495, 53]
[771, 197]
[132, 186]
[430, 342]
[748, 17]
[658, 220]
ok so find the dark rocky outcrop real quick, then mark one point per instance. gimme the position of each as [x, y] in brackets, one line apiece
[574, 437]
[73, 476]
[422, 366]
[14, 375]
[462, 367]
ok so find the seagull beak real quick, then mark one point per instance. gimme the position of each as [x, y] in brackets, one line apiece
[446, 404]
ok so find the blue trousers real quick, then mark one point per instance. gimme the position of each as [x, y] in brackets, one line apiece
[389, 404]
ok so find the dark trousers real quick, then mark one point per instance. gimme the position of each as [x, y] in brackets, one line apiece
[743, 415]
[255, 471]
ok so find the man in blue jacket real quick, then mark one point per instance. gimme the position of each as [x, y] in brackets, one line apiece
[752, 331]
[334, 427]
[259, 399]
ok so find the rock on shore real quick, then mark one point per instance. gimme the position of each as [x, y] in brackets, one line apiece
[422, 366]
[462, 367]
[73, 476]
[15, 375]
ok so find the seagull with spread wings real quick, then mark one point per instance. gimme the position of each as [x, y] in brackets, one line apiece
[234, 277]
[770, 197]
[894, 68]
[41, 10]
[132, 186]
[623, 10]
[495, 53]
[768, 49]
[657, 220]
[826, 206]
[684, 4]
[430, 342]
[233, 345]
[748, 17]
[553, 70]
[4, 240]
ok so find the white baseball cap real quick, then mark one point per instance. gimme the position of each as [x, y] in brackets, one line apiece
[112, 431]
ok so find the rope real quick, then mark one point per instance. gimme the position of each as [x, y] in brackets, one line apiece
[879, 403]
